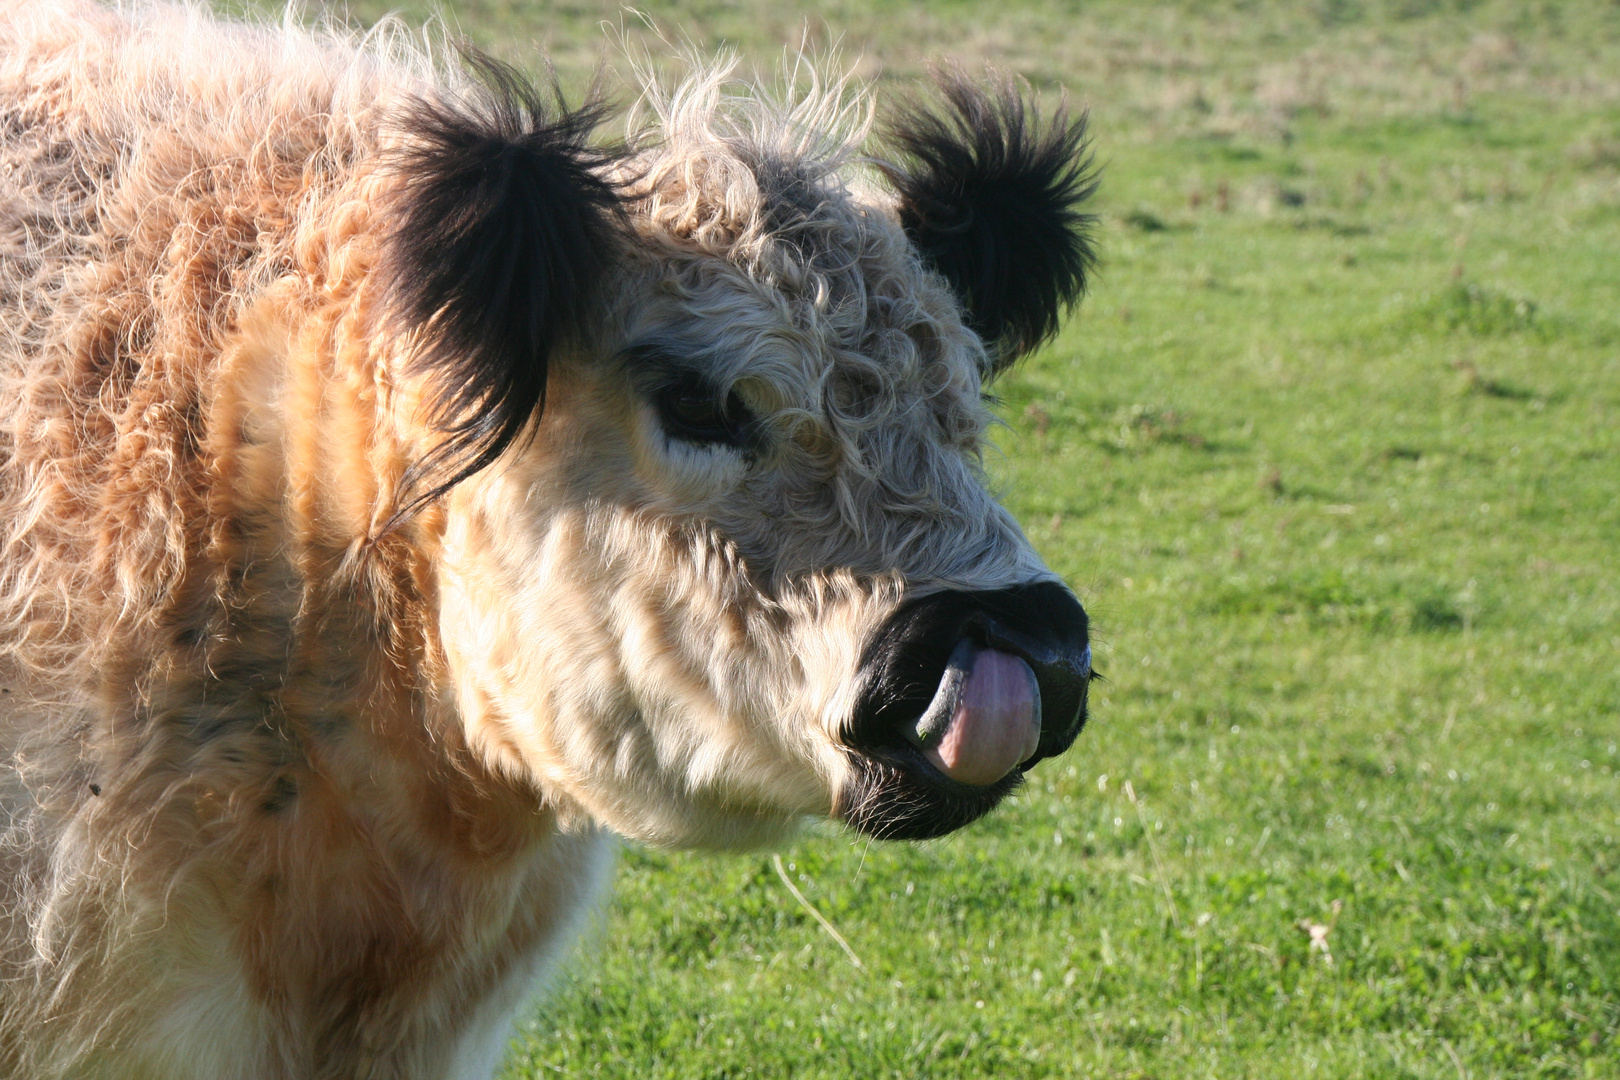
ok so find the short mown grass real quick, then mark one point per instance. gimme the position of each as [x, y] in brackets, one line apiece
[1332, 453]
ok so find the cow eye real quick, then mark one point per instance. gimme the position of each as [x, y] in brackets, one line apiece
[692, 412]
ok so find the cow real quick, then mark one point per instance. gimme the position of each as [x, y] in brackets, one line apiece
[406, 490]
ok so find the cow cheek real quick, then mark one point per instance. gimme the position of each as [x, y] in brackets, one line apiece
[608, 684]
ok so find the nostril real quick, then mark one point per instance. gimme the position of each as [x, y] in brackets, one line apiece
[1064, 686]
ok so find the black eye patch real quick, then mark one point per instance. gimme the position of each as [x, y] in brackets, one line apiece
[692, 411]
[689, 405]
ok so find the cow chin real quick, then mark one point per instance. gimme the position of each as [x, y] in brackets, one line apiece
[892, 795]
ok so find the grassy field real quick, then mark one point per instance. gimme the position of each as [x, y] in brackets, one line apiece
[1332, 453]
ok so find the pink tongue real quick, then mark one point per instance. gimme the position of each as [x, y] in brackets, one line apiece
[996, 723]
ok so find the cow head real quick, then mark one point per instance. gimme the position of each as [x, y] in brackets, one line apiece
[744, 567]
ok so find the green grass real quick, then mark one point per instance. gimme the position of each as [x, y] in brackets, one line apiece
[1332, 453]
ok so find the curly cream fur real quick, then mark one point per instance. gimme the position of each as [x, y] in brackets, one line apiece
[289, 795]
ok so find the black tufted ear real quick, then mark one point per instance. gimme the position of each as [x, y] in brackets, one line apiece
[990, 196]
[499, 235]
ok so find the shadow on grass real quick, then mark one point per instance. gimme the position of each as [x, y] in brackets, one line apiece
[1126, 429]
[1467, 307]
[1479, 383]
[1328, 597]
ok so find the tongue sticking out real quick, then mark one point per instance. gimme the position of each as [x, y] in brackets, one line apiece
[985, 718]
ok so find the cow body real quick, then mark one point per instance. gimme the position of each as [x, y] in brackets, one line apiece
[246, 839]
[305, 773]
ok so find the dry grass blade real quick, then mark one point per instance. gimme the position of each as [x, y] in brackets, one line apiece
[781, 872]
[1153, 849]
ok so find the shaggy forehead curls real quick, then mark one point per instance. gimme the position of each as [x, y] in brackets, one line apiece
[404, 488]
[505, 222]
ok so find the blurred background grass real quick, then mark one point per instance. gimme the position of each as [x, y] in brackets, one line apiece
[1332, 453]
